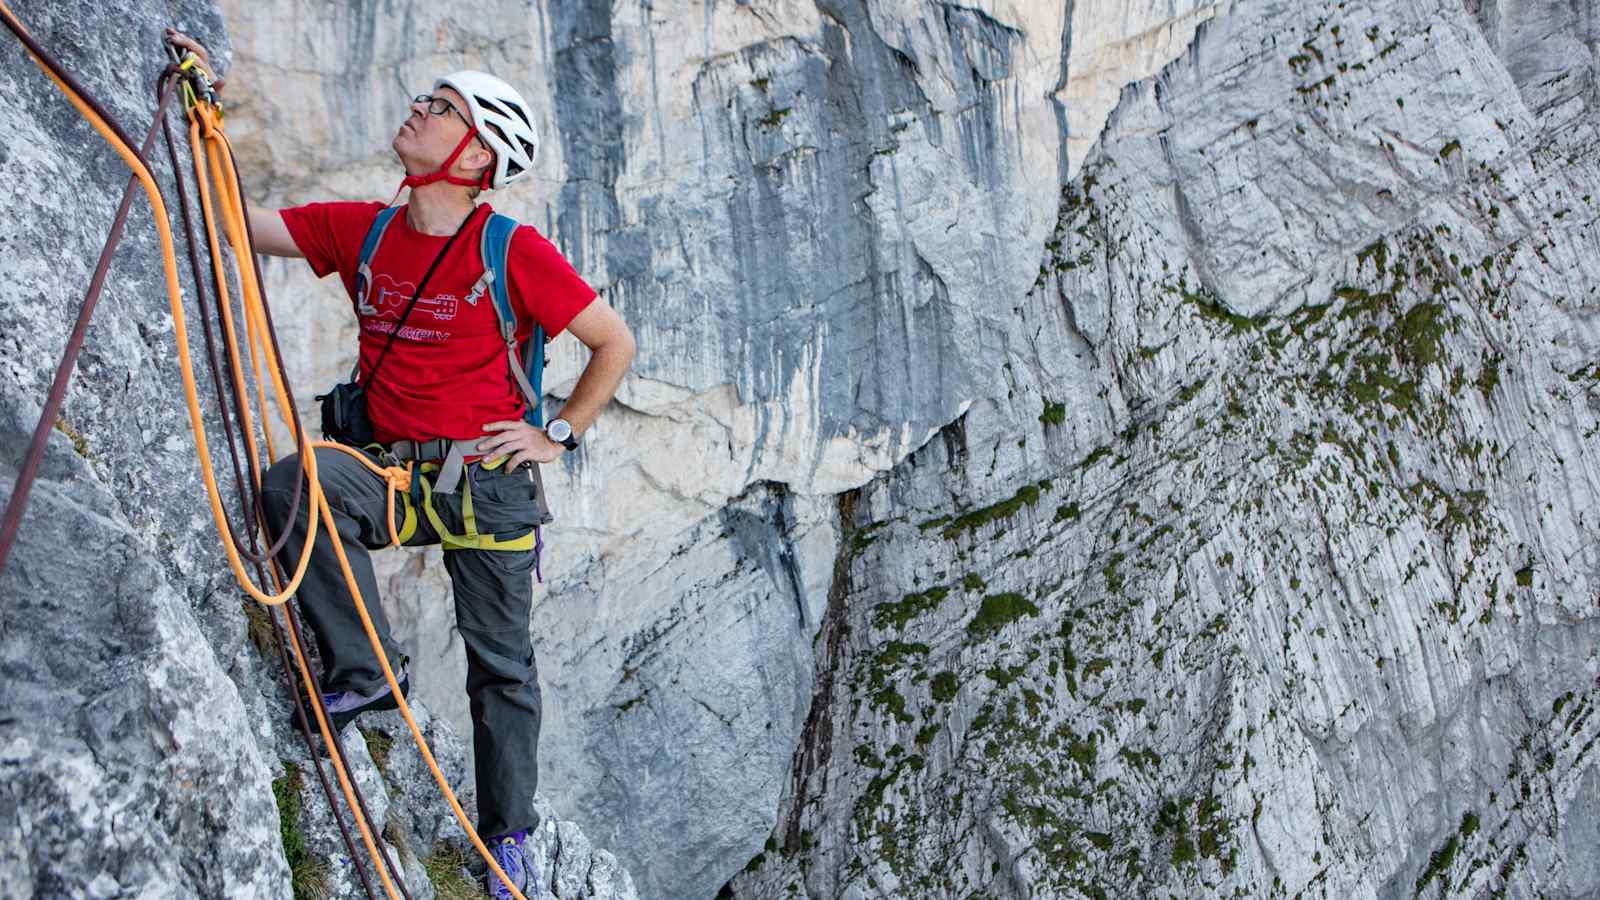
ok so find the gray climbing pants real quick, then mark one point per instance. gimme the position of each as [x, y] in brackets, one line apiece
[493, 599]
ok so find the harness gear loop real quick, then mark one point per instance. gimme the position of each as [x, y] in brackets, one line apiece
[470, 538]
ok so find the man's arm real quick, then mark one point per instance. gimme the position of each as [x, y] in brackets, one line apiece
[270, 235]
[607, 336]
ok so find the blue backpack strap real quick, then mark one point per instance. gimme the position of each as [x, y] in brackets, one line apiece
[527, 368]
[530, 379]
[369, 247]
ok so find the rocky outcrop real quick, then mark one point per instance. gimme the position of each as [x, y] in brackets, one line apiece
[140, 750]
[1270, 572]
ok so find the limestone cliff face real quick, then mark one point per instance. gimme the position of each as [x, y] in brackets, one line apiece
[1097, 447]
[1271, 569]
[141, 750]
[1108, 449]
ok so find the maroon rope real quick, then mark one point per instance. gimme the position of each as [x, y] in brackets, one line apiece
[290, 623]
[18, 502]
[244, 487]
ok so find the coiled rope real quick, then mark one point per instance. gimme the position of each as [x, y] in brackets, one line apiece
[290, 616]
[114, 135]
[206, 132]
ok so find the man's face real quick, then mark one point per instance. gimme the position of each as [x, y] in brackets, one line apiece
[425, 140]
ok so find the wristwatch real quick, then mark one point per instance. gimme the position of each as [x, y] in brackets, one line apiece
[560, 431]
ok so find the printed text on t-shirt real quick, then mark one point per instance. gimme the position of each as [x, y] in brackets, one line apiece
[410, 332]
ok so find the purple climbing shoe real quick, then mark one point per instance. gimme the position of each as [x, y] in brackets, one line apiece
[507, 850]
[343, 706]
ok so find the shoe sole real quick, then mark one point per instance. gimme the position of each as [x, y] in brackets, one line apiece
[341, 719]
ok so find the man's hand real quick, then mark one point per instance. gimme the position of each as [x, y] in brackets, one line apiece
[183, 42]
[267, 231]
[524, 443]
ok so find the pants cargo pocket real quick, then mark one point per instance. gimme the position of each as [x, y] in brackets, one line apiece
[508, 502]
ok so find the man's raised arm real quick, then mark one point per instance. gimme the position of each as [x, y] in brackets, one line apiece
[270, 235]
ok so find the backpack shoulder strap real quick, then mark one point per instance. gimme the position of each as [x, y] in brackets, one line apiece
[369, 247]
[528, 374]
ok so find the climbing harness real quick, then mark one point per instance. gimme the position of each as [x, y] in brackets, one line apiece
[210, 150]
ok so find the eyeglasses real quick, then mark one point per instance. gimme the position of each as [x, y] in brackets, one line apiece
[438, 106]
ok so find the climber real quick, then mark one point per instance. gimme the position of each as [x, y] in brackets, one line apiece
[435, 386]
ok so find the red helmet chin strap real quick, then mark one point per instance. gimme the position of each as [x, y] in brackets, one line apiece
[443, 174]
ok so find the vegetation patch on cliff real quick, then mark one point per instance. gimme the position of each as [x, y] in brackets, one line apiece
[997, 611]
[308, 877]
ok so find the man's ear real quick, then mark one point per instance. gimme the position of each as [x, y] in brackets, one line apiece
[476, 158]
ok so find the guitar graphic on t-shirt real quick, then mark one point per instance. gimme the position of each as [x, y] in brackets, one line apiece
[387, 299]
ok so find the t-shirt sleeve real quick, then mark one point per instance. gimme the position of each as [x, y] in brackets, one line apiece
[330, 235]
[544, 284]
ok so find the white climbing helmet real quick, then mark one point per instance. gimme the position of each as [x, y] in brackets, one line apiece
[502, 120]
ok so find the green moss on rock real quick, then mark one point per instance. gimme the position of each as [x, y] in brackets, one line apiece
[997, 611]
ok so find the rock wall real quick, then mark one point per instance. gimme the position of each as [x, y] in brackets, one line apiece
[118, 642]
[141, 745]
[1115, 449]
[817, 219]
[1271, 573]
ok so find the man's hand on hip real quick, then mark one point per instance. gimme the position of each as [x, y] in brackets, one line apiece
[524, 443]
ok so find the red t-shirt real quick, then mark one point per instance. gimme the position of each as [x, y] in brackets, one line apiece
[446, 375]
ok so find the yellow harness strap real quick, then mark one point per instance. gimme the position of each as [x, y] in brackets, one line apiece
[470, 538]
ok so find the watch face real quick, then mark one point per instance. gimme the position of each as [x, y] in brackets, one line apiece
[559, 430]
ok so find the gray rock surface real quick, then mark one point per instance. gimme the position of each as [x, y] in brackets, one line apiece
[130, 765]
[1269, 570]
[1110, 450]
[139, 744]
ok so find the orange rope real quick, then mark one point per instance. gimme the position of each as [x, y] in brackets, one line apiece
[233, 220]
[249, 292]
[255, 326]
[219, 268]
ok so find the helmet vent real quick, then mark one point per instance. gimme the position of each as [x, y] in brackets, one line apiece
[498, 132]
[486, 103]
[512, 168]
[518, 110]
